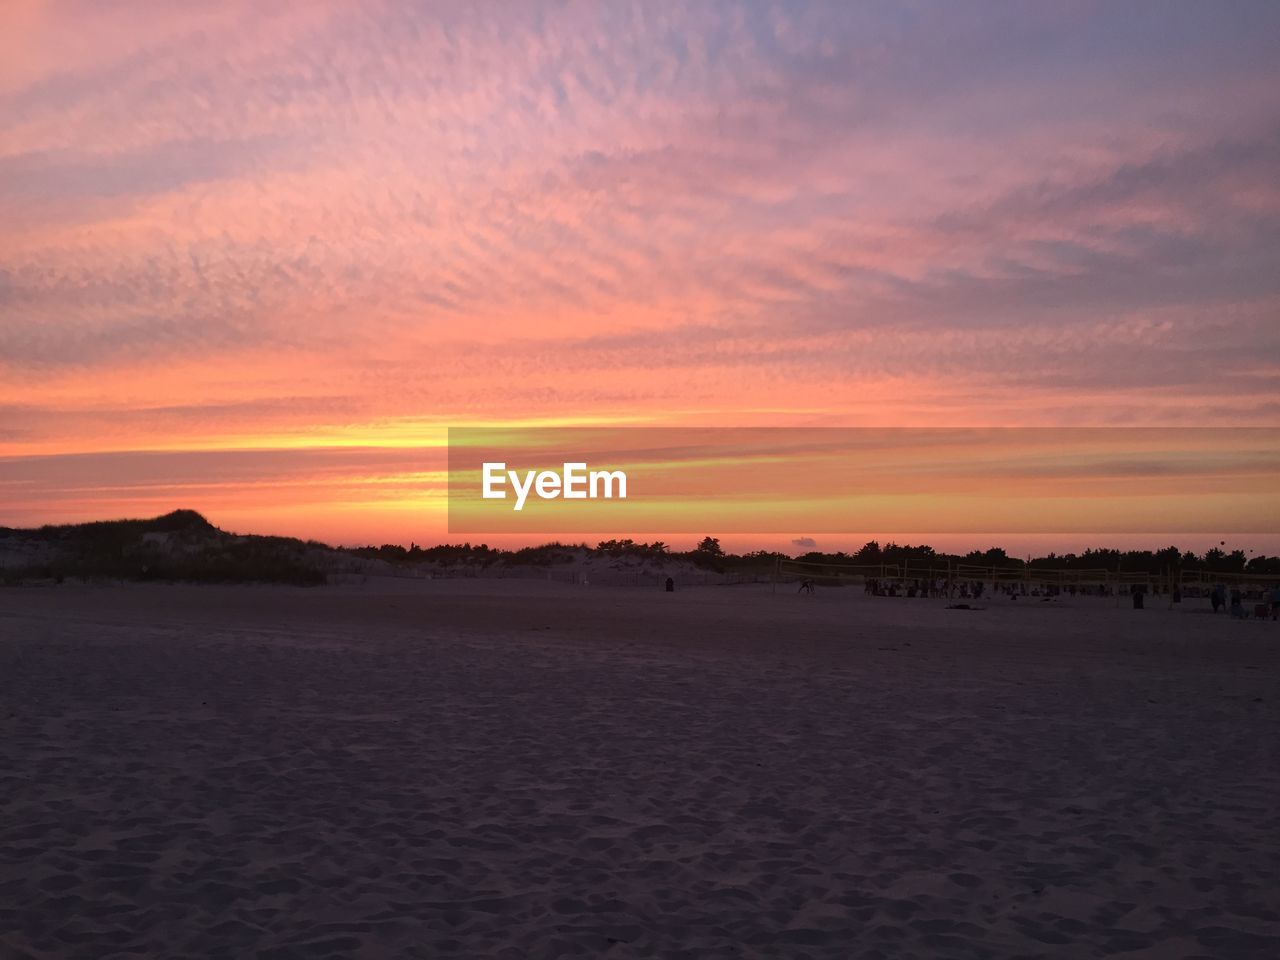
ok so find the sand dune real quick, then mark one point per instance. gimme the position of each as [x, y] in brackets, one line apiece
[528, 770]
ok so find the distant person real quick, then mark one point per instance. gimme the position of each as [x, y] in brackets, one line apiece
[806, 586]
[1275, 602]
[1217, 597]
[1237, 604]
[671, 585]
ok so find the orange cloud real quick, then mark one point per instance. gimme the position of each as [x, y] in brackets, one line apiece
[323, 226]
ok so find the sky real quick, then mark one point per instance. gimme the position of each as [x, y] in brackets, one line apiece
[256, 258]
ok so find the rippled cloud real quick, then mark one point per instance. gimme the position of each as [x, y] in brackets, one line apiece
[442, 213]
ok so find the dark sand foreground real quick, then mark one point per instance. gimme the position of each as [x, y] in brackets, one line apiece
[527, 770]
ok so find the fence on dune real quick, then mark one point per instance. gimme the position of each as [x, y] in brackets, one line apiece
[605, 576]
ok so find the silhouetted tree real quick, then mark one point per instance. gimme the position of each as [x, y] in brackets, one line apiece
[710, 546]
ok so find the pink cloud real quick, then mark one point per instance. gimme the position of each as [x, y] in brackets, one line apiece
[560, 210]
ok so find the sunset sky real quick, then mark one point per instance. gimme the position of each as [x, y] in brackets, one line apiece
[255, 258]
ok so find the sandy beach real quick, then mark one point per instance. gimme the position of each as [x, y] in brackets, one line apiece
[535, 770]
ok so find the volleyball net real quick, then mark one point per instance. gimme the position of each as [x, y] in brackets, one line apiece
[934, 570]
[926, 571]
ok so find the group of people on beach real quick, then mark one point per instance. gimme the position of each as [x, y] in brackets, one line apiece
[942, 588]
[939, 588]
[1221, 599]
[1233, 602]
[1218, 597]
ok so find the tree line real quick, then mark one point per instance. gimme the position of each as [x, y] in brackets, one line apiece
[709, 553]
